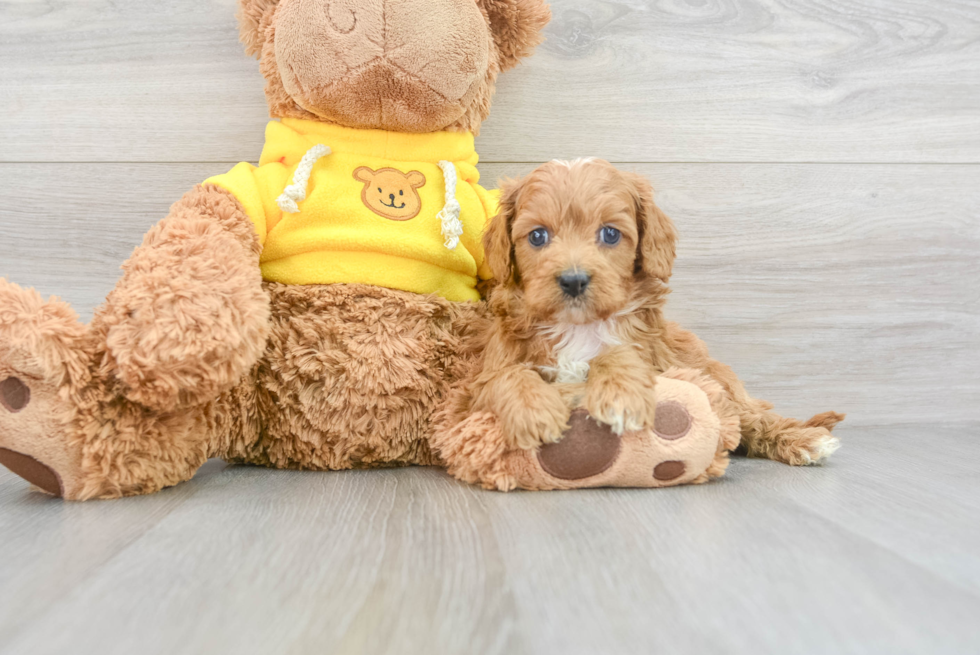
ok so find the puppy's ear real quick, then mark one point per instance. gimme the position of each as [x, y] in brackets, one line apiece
[658, 239]
[516, 27]
[254, 18]
[497, 242]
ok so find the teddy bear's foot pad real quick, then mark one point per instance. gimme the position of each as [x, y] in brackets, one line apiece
[38, 474]
[679, 448]
[41, 352]
[667, 471]
[672, 420]
[587, 448]
[14, 395]
[694, 428]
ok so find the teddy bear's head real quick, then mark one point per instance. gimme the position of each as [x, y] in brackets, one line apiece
[401, 65]
[390, 193]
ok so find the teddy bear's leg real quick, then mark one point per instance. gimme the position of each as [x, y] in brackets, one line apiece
[42, 359]
[189, 316]
[695, 427]
[132, 403]
[66, 428]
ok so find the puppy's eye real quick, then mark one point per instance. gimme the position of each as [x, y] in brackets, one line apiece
[401, 193]
[379, 190]
[539, 237]
[609, 235]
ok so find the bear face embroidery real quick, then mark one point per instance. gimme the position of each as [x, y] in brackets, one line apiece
[390, 193]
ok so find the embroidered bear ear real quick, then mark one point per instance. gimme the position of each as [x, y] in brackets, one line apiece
[516, 26]
[416, 179]
[254, 18]
[364, 174]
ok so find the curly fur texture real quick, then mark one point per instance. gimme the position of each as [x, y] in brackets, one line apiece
[189, 316]
[328, 377]
[192, 356]
[352, 375]
[475, 450]
[349, 377]
[77, 421]
[571, 202]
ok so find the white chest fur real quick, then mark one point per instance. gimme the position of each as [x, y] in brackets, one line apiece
[576, 346]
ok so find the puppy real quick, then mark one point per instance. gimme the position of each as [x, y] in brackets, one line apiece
[581, 257]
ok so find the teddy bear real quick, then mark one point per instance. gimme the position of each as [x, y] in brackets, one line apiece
[313, 311]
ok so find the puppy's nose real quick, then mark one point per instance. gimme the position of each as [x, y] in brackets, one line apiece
[573, 283]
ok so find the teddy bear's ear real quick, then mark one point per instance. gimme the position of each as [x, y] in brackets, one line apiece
[516, 26]
[254, 16]
[416, 179]
[363, 174]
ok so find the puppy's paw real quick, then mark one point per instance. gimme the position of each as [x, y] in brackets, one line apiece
[801, 446]
[808, 447]
[542, 419]
[625, 405]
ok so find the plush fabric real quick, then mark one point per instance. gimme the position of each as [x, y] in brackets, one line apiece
[431, 67]
[345, 230]
[359, 347]
[316, 311]
[194, 356]
[375, 67]
[40, 347]
[350, 377]
[475, 451]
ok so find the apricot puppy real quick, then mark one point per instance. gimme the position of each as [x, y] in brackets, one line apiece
[581, 257]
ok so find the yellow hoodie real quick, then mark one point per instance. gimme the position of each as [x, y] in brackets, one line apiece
[338, 205]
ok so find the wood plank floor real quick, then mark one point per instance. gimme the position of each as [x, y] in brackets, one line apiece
[821, 159]
[873, 553]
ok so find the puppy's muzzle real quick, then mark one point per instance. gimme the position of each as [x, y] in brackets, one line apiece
[574, 283]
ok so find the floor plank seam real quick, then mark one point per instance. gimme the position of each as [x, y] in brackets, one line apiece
[232, 162]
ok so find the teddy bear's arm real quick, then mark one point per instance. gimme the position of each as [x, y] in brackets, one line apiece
[189, 315]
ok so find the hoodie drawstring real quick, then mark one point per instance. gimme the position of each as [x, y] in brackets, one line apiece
[452, 227]
[296, 192]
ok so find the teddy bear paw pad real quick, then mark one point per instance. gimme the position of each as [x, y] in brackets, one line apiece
[586, 449]
[667, 471]
[14, 395]
[33, 471]
[34, 430]
[672, 421]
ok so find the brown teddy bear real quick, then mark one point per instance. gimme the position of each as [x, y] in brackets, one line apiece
[309, 312]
